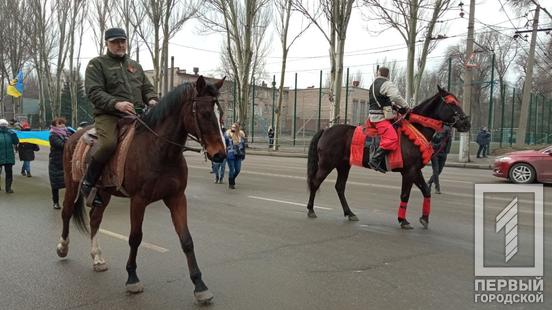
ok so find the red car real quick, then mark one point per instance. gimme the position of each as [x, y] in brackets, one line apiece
[525, 167]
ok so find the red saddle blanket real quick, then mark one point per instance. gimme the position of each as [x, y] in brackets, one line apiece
[114, 173]
[394, 158]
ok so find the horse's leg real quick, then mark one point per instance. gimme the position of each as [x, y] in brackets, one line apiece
[96, 214]
[422, 185]
[342, 176]
[137, 208]
[178, 207]
[69, 198]
[407, 180]
[315, 182]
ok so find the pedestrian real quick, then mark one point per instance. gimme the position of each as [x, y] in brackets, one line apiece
[270, 137]
[441, 142]
[218, 168]
[235, 143]
[8, 143]
[26, 153]
[116, 85]
[483, 139]
[384, 94]
[58, 136]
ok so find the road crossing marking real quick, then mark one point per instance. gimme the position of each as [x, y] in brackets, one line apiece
[288, 202]
[146, 245]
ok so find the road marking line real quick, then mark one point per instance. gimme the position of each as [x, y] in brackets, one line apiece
[146, 245]
[288, 202]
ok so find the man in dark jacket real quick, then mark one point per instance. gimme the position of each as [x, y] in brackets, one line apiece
[483, 139]
[441, 147]
[8, 141]
[383, 95]
[116, 85]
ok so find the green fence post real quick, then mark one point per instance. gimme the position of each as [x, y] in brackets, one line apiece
[234, 103]
[295, 111]
[491, 107]
[542, 120]
[273, 97]
[319, 102]
[253, 113]
[549, 121]
[449, 73]
[346, 97]
[502, 92]
[512, 119]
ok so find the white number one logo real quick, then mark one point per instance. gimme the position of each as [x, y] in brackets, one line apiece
[508, 219]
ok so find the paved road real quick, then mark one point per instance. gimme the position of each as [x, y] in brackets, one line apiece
[258, 250]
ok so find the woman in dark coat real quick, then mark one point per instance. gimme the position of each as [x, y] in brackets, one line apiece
[26, 153]
[8, 140]
[58, 136]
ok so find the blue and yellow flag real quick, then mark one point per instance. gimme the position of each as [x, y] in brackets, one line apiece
[15, 87]
[37, 137]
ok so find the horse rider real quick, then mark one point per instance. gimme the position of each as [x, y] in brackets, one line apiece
[383, 95]
[116, 85]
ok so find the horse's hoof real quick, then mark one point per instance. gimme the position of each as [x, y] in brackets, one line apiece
[353, 218]
[312, 215]
[424, 222]
[62, 248]
[135, 288]
[100, 267]
[406, 225]
[203, 298]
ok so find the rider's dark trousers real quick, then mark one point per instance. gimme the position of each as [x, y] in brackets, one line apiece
[107, 132]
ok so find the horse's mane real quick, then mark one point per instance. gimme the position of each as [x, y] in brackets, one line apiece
[420, 107]
[169, 103]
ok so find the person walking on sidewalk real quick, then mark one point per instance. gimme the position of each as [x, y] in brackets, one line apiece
[26, 153]
[483, 139]
[8, 142]
[270, 137]
[58, 135]
[441, 142]
[235, 143]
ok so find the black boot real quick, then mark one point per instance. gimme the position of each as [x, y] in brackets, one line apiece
[377, 161]
[93, 173]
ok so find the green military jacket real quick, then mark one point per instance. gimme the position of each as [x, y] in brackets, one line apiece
[110, 79]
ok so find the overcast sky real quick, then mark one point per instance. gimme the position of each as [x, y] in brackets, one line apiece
[309, 54]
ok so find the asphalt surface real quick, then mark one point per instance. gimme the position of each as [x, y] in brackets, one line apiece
[258, 250]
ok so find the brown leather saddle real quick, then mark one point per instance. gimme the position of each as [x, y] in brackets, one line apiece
[114, 172]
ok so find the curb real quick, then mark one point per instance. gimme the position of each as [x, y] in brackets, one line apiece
[301, 155]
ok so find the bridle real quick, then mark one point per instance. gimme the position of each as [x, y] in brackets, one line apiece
[195, 100]
[448, 101]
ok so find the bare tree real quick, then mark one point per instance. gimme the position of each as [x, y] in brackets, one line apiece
[284, 9]
[128, 18]
[244, 25]
[76, 27]
[411, 19]
[331, 17]
[98, 18]
[163, 19]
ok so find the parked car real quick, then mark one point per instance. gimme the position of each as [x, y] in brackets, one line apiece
[525, 167]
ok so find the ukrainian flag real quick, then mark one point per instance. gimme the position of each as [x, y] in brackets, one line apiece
[37, 137]
[15, 87]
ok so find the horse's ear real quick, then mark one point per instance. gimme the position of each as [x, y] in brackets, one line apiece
[441, 90]
[200, 84]
[218, 84]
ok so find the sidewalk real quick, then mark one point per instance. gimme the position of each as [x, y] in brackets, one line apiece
[301, 152]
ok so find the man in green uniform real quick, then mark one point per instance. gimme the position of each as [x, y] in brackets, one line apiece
[116, 85]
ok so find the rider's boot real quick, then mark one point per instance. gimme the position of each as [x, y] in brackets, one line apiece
[93, 173]
[377, 161]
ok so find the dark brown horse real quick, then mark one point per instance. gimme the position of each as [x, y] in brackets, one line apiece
[330, 149]
[155, 170]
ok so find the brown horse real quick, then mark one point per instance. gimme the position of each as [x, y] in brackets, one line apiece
[155, 170]
[330, 149]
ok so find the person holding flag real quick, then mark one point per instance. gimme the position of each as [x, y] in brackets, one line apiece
[8, 141]
[15, 87]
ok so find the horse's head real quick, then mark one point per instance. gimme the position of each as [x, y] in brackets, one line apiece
[445, 107]
[207, 115]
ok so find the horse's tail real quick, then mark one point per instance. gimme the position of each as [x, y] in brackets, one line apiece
[79, 217]
[312, 165]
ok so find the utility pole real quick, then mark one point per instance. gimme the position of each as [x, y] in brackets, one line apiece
[522, 128]
[464, 152]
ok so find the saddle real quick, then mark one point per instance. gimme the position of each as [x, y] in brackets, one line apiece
[114, 172]
[365, 142]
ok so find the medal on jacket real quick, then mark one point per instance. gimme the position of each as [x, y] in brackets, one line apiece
[131, 69]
